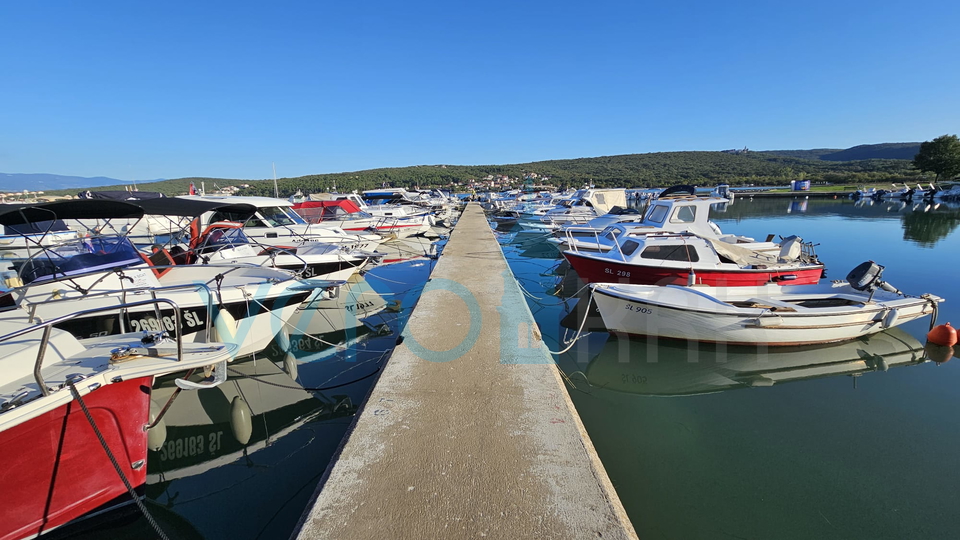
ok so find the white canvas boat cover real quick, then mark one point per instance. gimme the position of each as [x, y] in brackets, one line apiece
[744, 256]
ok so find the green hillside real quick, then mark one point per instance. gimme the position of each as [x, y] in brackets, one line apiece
[861, 152]
[632, 170]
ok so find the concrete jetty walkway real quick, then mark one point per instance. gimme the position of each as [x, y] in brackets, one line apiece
[469, 432]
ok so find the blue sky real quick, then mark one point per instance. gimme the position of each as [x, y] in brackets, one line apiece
[138, 90]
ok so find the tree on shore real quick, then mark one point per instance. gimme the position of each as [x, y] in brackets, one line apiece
[940, 156]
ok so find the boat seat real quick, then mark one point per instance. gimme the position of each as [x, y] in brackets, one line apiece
[159, 258]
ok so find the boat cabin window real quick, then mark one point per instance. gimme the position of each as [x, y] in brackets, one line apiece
[612, 233]
[629, 247]
[684, 214]
[676, 252]
[657, 214]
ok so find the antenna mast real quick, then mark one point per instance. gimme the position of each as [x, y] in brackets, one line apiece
[276, 192]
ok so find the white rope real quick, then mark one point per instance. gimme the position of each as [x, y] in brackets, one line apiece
[583, 323]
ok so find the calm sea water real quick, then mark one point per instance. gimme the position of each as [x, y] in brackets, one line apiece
[206, 483]
[846, 441]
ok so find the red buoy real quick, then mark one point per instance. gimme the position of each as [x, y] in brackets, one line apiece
[943, 334]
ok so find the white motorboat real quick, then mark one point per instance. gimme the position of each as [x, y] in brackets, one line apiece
[583, 206]
[275, 223]
[667, 214]
[245, 305]
[226, 242]
[399, 220]
[769, 315]
[74, 416]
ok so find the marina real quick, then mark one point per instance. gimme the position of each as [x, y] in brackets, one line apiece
[410, 390]
[340, 270]
[710, 440]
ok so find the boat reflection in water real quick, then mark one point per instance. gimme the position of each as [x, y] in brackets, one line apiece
[260, 432]
[654, 367]
[340, 307]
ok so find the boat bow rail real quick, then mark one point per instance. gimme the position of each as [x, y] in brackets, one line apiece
[47, 327]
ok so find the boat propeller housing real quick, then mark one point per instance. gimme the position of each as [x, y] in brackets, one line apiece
[866, 276]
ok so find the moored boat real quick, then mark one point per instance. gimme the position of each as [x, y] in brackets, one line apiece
[682, 213]
[667, 258]
[768, 315]
[246, 305]
[74, 417]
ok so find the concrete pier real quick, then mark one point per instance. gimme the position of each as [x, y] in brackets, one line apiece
[469, 432]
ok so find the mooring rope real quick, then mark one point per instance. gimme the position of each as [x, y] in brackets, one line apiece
[259, 378]
[583, 323]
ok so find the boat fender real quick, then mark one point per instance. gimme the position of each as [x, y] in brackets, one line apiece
[283, 340]
[864, 275]
[224, 327]
[290, 365]
[157, 435]
[241, 420]
[890, 319]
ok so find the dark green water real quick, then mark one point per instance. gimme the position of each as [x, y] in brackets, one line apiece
[846, 441]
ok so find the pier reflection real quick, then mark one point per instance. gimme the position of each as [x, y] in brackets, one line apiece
[648, 366]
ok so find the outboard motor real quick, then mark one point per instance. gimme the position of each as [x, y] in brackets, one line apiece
[791, 248]
[866, 277]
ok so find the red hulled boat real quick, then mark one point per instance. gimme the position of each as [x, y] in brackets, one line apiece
[686, 258]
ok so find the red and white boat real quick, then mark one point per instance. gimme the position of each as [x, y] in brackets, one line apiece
[683, 213]
[347, 215]
[55, 467]
[399, 220]
[672, 258]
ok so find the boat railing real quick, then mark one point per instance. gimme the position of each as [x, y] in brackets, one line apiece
[572, 240]
[47, 327]
[268, 250]
[123, 307]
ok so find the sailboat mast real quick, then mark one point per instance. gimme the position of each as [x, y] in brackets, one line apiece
[276, 192]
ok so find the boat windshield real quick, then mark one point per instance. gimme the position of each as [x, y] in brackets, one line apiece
[292, 215]
[611, 233]
[221, 237]
[89, 254]
[275, 216]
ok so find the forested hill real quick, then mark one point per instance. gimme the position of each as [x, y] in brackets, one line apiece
[632, 170]
[864, 151]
